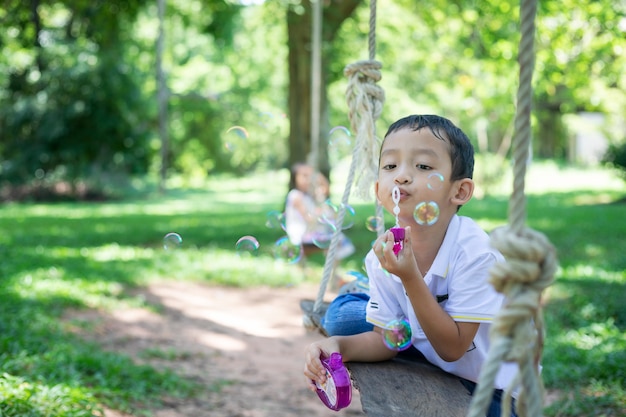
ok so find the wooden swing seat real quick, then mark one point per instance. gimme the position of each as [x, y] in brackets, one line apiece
[404, 386]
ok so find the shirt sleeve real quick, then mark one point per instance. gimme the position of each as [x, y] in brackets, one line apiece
[471, 297]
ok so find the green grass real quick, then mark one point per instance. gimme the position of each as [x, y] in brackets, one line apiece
[91, 255]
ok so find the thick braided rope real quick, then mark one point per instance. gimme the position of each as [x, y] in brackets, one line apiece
[521, 141]
[371, 38]
[517, 331]
[365, 101]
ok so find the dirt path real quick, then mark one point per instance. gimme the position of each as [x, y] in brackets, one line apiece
[252, 338]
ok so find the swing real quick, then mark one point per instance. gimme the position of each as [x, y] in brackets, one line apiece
[404, 387]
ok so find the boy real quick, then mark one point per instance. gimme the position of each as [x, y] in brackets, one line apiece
[438, 280]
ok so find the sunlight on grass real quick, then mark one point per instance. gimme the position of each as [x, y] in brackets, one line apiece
[546, 176]
[23, 398]
[583, 270]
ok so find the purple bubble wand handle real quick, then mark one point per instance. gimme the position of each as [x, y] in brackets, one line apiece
[398, 238]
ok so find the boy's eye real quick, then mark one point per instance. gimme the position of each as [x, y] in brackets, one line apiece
[389, 166]
[423, 167]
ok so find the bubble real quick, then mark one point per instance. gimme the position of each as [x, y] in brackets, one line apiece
[397, 334]
[434, 181]
[235, 137]
[330, 205]
[324, 234]
[328, 215]
[239, 131]
[348, 216]
[275, 220]
[339, 143]
[172, 241]
[372, 223]
[265, 118]
[332, 211]
[287, 251]
[426, 213]
[247, 246]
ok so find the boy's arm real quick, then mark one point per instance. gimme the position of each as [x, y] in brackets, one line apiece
[363, 347]
[449, 338]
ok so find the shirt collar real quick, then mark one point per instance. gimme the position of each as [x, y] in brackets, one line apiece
[441, 263]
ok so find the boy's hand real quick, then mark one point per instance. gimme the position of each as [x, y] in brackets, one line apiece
[314, 371]
[404, 264]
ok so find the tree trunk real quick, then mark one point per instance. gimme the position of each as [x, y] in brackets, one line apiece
[299, 100]
[162, 97]
[550, 132]
[299, 29]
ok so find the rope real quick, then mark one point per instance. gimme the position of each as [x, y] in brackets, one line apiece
[517, 205]
[371, 38]
[365, 101]
[517, 331]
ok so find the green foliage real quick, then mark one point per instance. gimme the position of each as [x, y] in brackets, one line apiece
[76, 121]
[19, 397]
[616, 158]
[71, 109]
[217, 84]
[77, 78]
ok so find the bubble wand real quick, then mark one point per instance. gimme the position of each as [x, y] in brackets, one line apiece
[398, 232]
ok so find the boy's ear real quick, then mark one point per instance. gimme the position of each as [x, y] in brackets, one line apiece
[376, 191]
[464, 191]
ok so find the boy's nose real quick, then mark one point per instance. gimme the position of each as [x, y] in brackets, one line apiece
[402, 178]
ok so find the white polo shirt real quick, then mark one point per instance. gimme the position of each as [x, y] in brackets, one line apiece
[458, 280]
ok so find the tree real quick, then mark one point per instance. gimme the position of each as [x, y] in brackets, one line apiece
[299, 24]
[71, 108]
[581, 62]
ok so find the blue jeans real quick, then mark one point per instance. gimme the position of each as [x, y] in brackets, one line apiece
[495, 408]
[346, 315]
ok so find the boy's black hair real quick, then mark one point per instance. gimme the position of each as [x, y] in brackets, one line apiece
[460, 149]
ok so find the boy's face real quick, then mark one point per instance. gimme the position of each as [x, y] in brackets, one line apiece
[419, 164]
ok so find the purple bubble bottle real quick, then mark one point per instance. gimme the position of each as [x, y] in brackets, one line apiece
[336, 392]
[398, 232]
[398, 238]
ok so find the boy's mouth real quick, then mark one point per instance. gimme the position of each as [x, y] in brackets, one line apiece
[403, 194]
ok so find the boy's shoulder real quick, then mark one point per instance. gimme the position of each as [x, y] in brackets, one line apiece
[466, 229]
[465, 234]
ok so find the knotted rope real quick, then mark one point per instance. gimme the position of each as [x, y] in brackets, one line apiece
[365, 101]
[517, 331]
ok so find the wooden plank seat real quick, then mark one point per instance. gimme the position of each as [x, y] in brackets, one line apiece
[406, 386]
